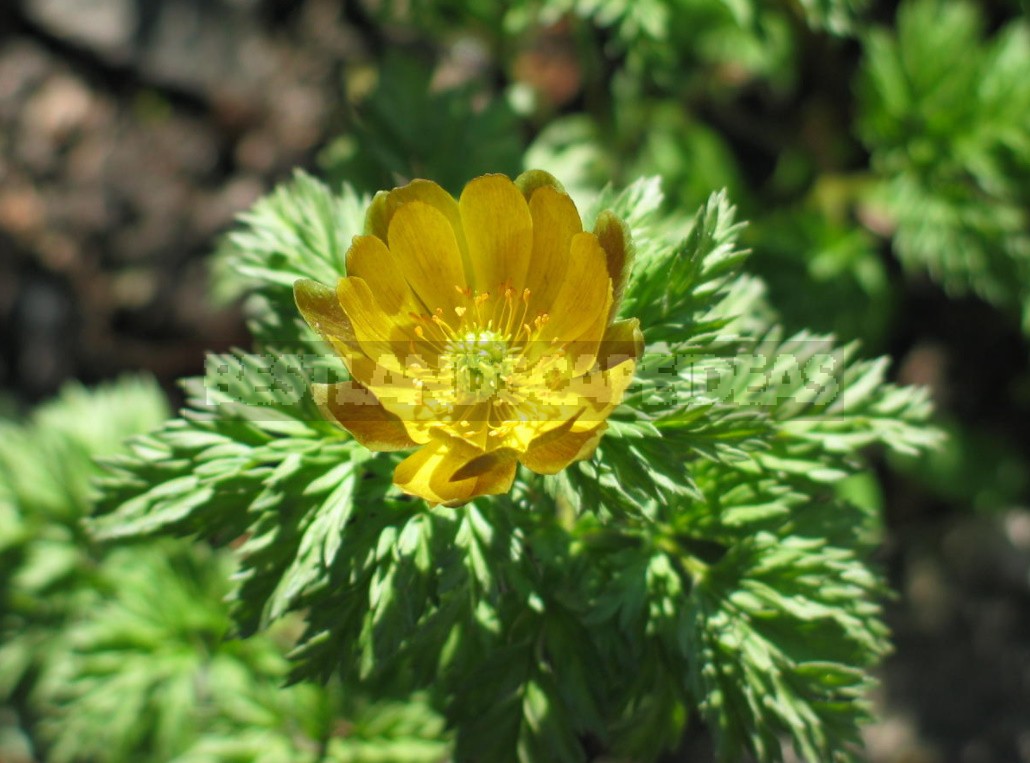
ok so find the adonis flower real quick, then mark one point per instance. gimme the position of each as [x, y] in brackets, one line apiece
[480, 331]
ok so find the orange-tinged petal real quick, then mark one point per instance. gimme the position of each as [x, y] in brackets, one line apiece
[555, 223]
[554, 450]
[369, 259]
[613, 234]
[427, 253]
[499, 232]
[361, 414]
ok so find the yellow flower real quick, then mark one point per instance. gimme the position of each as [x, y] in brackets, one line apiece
[480, 331]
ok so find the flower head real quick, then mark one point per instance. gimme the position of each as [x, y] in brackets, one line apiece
[480, 331]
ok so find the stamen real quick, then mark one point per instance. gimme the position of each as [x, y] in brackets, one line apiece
[444, 327]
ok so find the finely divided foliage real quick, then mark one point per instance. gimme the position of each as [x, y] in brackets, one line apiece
[951, 137]
[122, 653]
[703, 563]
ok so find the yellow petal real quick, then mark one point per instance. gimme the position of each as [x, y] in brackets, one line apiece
[470, 422]
[588, 399]
[584, 294]
[581, 354]
[386, 203]
[555, 224]
[599, 392]
[402, 398]
[530, 180]
[497, 480]
[614, 236]
[321, 309]
[499, 231]
[377, 216]
[427, 253]
[554, 450]
[494, 461]
[622, 341]
[369, 259]
[414, 474]
[379, 337]
[427, 473]
[361, 414]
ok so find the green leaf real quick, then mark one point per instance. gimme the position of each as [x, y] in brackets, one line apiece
[301, 230]
[671, 286]
[408, 129]
[949, 140]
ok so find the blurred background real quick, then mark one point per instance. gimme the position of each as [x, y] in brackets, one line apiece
[880, 151]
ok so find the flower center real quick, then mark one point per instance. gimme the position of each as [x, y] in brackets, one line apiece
[483, 350]
[481, 364]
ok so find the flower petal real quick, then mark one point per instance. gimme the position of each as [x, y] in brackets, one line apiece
[554, 450]
[555, 223]
[622, 341]
[497, 480]
[599, 392]
[614, 236]
[581, 354]
[585, 293]
[386, 203]
[379, 337]
[494, 461]
[414, 474]
[321, 309]
[530, 180]
[427, 253]
[427, 473]
[499, 231]
[361, 414]
[369, 259]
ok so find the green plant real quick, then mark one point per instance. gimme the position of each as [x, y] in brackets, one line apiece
[949, 138]
[704, 562]
[122, 654]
